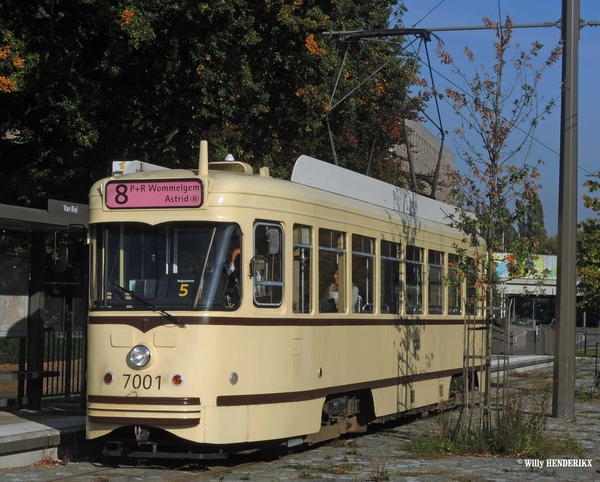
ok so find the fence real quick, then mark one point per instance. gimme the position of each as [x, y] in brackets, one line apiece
[586, 341]
[63, 352]
[499, 341]
[64, 321]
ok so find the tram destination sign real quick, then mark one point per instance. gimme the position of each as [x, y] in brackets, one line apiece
[168, 193]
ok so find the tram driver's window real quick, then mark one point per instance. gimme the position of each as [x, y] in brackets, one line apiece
[302, 269]
[267, 264]
[414, 280]
[332, 271]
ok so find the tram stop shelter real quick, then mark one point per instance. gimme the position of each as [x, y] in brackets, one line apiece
[43, 302]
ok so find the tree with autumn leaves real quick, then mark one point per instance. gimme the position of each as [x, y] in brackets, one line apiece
[588, 252]
[88, 82]
[499, 189]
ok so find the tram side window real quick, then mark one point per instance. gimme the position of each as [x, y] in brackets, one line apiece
[267, 269]
[363, 264]
[414, 280]
[435, 279]
[454, 286]
[332, 271]
[472, 275]
[390, 277]
[302, 269]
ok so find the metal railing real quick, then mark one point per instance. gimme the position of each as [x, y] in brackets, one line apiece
[63, 352]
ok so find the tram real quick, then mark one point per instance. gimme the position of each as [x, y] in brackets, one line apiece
[231, 309]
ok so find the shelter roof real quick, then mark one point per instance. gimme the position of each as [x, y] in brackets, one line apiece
[60, 214]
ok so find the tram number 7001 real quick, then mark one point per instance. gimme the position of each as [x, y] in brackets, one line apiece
[138, 381]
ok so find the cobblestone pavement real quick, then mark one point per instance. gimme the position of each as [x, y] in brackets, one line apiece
[381, 455]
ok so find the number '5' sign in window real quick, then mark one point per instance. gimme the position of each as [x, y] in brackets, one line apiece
[184, 289]
[180, 287]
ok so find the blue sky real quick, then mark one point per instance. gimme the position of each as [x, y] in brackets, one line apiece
[461, 13]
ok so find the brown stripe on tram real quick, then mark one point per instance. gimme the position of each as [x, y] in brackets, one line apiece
[145, 421]
[150, 322]
[301, 396]
[178, 401]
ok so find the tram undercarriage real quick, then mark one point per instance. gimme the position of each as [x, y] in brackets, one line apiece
[348, 414]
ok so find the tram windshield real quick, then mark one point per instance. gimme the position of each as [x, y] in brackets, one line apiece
[171, 266]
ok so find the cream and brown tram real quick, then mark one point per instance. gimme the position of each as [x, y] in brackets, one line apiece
[230, 309]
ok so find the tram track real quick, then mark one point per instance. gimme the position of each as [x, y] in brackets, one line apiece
[237, 463]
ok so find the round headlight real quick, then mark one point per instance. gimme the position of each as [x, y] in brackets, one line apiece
[139, 356]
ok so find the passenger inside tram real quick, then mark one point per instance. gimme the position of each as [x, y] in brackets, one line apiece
[329, 300]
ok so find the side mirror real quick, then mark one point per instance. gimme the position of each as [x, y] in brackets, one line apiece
[273, 241]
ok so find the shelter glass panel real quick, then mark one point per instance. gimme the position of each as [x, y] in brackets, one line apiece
[14, 296]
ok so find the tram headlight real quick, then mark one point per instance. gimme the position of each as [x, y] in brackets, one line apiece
[139, 356]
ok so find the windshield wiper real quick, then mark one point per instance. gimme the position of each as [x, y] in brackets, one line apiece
[154, 308]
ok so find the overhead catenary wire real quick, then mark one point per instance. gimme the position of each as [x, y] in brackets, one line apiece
[354, 38]
[425, 35]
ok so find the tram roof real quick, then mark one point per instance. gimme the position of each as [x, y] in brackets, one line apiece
[338, 187]
[321, 175]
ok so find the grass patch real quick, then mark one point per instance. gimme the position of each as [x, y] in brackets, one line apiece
[307, 475]
[519, 430]
[584, 395]
[301, 467]
[308, 471]
[422, 473]
[591, 352]
[494, 442]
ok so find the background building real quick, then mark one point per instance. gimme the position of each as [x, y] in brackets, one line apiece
[425, 148]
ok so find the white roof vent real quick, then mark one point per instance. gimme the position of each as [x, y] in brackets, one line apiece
[130, 167]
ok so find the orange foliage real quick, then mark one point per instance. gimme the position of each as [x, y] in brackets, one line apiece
[127, 17]
[4, 51]
[313, 47]
[7, 85]
[379, 89]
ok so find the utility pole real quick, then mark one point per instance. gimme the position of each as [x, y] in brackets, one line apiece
[563, 398]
